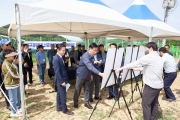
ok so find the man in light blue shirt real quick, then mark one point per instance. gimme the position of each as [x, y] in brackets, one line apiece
[41, 63]
[170, 74]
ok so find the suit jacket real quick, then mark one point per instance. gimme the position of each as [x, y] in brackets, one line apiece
[86, 67]
[28, 59]
[99, 58]
[103, 61]
[76, 56]
[59, 70]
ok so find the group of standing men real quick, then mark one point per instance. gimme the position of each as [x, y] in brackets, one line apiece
[9, 75]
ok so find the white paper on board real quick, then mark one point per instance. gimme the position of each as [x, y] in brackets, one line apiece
[141, 53]
[129, 59]
[109, 65]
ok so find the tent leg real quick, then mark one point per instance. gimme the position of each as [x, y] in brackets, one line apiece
[150, 38]
[20, 62]
[163, 42]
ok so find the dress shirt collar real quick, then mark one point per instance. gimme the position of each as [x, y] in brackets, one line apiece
[59, 55]
[90, 55]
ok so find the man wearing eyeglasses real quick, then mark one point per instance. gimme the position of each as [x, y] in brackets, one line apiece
[5, 44]
[84, 74]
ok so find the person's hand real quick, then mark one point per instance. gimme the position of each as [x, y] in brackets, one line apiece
[101, 74]
[119, 70]
[96, 62]
[64, 84]
[25, 65]
[66, 61]
[91, 78]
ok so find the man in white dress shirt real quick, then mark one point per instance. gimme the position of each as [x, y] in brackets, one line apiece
[152, 76]
[170, 73]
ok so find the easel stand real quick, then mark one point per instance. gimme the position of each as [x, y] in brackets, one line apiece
[115, 85]
[112, 71]
[136, 86]
[119, 95]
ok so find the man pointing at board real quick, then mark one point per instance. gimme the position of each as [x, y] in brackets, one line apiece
[84, 73]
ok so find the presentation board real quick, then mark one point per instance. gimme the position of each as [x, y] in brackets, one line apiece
[109, 65]
[131, 56]
[141, 53]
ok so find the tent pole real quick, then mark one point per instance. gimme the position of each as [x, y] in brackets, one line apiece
[20, 61]
[86, 41]
[150, 38]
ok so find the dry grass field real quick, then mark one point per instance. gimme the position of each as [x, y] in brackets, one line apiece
[41, 104]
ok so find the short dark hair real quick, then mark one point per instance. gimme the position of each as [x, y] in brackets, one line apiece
[93, 45]
[56, 45]
[79, 45]
[113, 44]
[119, 46]
[25, 45]
[101, 45]
[163, 49]
[60, 46]
[167, 46]
[6, 52]
[152, 45]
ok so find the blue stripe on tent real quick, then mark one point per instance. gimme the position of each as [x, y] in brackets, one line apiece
[95, 1]
[140, 12]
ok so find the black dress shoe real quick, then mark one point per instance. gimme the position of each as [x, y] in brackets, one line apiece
[90, 100]
[75, 105]
[170, 100]
[68, 112]
[88, 106]
[97, 98]
[110, 97]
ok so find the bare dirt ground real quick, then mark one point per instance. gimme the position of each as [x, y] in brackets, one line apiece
[41, 104]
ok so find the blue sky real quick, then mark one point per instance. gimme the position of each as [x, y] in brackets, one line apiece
[7, 6]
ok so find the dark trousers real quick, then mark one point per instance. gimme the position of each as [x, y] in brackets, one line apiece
[96, 83]
[25, 76]
[72, 61]
[78, 86]
[112, 91]
[168, 80]
[61, 98]
[29, 71]
[50, 65]
[150, 103]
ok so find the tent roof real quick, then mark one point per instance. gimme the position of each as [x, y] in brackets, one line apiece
[61, 17]
[138, 10]
[95, 1]
[140, 13]
[72, 38]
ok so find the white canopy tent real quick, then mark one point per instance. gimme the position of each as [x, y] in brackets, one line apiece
[76, 18]
[141, 14]
[68, 17]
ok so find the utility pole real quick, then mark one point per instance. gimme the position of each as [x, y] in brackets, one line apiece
[167, 5]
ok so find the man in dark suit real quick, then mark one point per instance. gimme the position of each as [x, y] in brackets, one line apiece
[61, 79]
[78, 54]
[84, 73]
[66, 56]
[29, 63]
[83, 50]
[96, 79]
